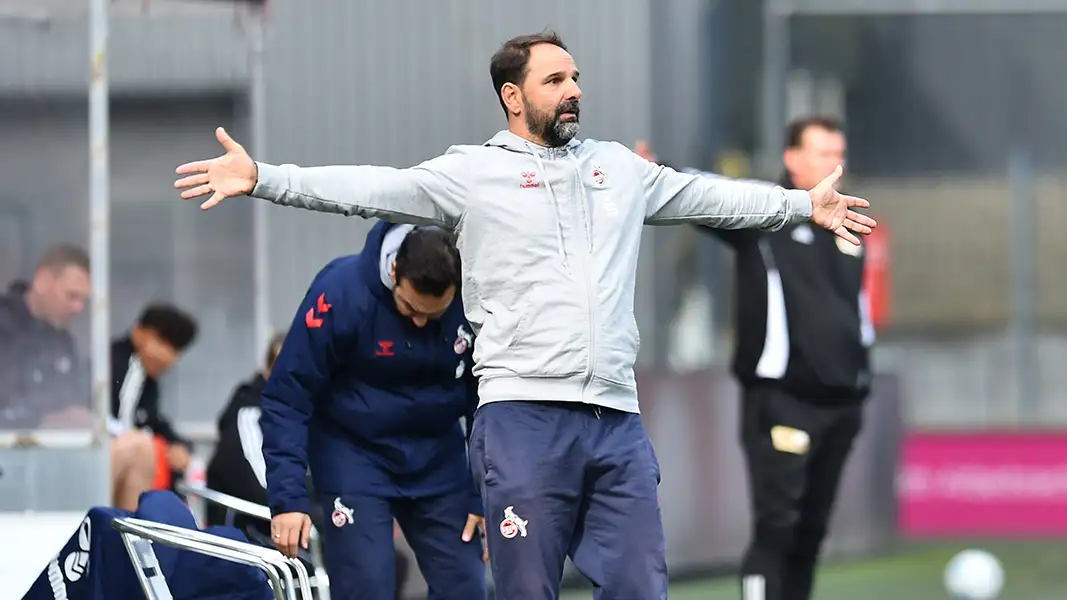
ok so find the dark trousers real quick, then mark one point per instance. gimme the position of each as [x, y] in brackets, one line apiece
[795, 452]
[361, 557]
[565, 479]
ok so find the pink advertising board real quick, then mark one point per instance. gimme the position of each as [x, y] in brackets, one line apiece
[983, 484]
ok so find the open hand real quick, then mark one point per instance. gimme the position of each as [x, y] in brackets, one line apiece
[833, 210]
[232, 174]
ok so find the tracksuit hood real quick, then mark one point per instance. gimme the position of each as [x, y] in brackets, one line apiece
[379, 252]
[510, 141]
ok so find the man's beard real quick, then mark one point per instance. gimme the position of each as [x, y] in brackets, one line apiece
[548, 126]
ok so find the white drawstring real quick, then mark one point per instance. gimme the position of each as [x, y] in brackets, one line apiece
[555, 206]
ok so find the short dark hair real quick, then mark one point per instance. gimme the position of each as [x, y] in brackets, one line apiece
[510, 63]
[429, 260]
[795, 132]
[171, 324]
[62, 256]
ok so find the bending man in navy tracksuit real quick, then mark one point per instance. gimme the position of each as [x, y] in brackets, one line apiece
[368, 391]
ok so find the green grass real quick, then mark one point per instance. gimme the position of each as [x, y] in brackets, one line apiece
[1033, 571]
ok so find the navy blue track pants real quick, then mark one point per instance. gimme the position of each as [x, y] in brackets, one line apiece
[360, 553]
[567, 479]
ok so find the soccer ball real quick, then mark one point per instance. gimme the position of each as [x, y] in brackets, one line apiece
[974, 575]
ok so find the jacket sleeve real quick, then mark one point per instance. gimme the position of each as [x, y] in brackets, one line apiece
[675, 197]
[430, 193]
[735, 238]
[250, 437]
[238, 468]
[301, 375]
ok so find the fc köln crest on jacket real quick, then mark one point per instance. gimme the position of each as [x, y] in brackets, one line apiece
[463, 340]
[598, 175]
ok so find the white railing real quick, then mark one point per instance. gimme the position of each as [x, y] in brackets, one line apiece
[138, 536]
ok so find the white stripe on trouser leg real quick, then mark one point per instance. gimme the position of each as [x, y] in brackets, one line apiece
[754, 587]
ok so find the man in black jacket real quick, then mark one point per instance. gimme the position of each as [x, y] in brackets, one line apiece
[138, 360]
[237, 467]
[41, 379]
[802, 358]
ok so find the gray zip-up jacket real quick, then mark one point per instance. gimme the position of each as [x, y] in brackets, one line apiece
[549, 240]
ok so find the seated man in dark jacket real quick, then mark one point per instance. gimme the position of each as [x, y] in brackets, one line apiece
[237, 467]
[162, 333]
[41, 382]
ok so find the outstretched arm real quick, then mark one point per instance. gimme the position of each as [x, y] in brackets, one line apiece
[675, 197]
[735, 238]
[430, 193]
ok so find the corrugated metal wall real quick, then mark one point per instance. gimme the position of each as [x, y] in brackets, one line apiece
[160, 249]
[937, 94]
[396, 83]
[183, 54]
[347, 81]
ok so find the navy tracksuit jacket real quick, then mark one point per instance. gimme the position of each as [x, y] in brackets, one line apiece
[372, 404]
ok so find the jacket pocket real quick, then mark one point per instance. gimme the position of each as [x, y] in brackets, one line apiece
[503, 326]
[537, 338]
[618, 353]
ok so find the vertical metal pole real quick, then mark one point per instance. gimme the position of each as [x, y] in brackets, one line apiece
[1024, 282]
[99, 237]
[775, 70]
[257, 101]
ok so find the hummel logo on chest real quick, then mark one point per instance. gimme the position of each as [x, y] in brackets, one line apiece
[529, 180]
